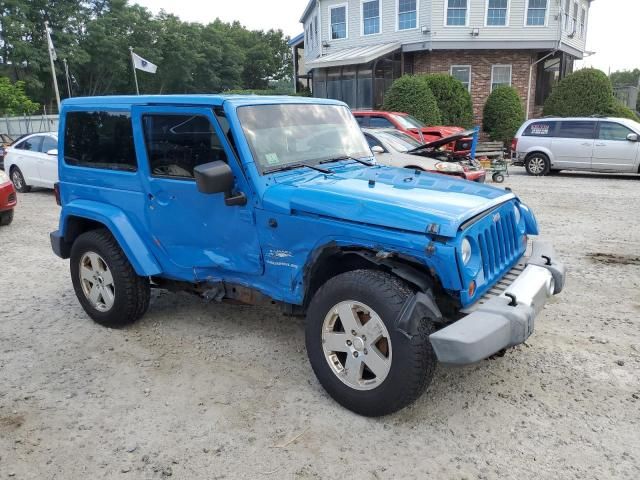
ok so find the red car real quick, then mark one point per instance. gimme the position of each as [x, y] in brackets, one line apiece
[8, 199]
[418, 130]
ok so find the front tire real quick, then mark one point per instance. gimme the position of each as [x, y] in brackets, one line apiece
[537, 164]
[355, 349]
[18, 180]
[105, 283]
[6, 217]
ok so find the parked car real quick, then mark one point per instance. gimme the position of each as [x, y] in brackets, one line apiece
[33, 161]
[597, 144]
[398, 149]
[5, 141]
[414, 127]
[275, 200]
[8, 199]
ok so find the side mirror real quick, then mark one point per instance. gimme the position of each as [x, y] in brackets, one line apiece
[53, 152]
[217, 177]
[633, 137]
[377, 149]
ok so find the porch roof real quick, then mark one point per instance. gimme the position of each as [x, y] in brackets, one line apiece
[353, 56]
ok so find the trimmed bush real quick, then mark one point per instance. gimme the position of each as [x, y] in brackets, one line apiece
[503, 114]
[583, 93]
[453, 99]
[411, 94]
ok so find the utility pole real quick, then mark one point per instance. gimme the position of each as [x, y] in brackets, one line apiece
[135, 74]
[52, 57]
[66, 73]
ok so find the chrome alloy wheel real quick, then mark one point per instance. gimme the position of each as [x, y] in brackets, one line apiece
[357, 345]
[537, 165]
[17, 180]
[97, 282]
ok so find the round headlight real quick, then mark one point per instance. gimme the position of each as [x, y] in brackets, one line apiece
[448, 167]
[466, 251]
[516, 212]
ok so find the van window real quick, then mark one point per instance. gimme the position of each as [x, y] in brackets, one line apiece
[540, 129]
[176, 144]
[576, 129]
[99, 140]
[613, 131]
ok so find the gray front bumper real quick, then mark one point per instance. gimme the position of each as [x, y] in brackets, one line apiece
[504, 320]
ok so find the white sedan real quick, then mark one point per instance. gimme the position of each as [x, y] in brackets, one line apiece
[33, 161]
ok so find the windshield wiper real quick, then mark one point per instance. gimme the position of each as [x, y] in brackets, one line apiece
[299, 165]
[348, 157]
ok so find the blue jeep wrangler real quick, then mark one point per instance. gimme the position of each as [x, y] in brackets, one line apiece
[265, 200]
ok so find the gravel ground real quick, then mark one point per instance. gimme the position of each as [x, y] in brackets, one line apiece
[202, 391]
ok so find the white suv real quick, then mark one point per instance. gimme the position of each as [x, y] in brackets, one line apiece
[588, 143]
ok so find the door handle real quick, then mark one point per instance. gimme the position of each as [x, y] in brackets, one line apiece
[586, 144]
[601, 144]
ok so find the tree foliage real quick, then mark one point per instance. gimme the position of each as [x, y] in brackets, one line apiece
[94, 36]
[454, 100]
[583, 93]
[411, 94]
[503, 114]
[13, 99]
[626, 78]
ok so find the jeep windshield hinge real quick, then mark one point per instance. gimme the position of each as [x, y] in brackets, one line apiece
[235, 200]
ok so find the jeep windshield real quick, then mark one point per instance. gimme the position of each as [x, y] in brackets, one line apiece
[289, 135]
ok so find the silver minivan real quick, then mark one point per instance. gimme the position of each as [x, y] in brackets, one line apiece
[598, 144]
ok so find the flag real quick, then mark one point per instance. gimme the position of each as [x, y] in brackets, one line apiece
[142, 64]
[50, 44]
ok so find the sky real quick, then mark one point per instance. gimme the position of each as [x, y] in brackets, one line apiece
[612, 30]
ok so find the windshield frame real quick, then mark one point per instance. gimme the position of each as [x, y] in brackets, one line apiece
[265, 169]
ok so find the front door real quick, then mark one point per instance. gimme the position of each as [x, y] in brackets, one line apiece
[48, 163]
[612, 151]
[26, 158]
[193, 230]
[572, 145]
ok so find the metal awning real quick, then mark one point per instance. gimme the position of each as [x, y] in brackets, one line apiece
[352, 56]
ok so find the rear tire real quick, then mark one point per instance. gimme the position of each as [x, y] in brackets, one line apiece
[18, 180]
[6, 218]
[537, 164]
[375, 376]
[105, 283]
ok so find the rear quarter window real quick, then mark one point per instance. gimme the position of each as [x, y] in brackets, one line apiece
[100, 139]
[540, 129]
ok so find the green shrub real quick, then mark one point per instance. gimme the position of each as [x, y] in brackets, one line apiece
[503, 114]
[411, 94]
[622, 111]
[583, 93]
[453, 99]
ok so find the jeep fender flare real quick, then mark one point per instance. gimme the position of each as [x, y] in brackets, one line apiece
[114, 219]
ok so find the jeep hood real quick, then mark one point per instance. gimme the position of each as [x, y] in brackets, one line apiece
[384, 196]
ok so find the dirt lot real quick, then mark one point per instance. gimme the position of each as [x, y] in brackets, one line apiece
[200, 391]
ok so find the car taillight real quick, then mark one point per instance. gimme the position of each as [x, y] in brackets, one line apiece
[514, 144]
[56, 191]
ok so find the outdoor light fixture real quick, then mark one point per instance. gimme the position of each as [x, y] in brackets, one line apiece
[425, 30]
[475, 32]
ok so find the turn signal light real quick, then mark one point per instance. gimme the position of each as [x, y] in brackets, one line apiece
[472, 288]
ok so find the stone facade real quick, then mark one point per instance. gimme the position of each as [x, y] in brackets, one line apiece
[440, 61]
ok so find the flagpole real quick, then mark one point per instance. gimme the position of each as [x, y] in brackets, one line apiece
[53, 67]
[66, 73]
[135, 75]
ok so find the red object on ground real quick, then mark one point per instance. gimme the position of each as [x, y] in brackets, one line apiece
[406, 123]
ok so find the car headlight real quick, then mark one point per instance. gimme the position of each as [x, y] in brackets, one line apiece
[466, 251]
[516, 213]
[448, 167]
[4, 178]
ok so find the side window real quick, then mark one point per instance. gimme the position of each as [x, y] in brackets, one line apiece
[363, 121]
[576, 129]
[613, 131]
[48, 143]
[176, 144]
[380, 122]
[30, 144]
[540, 129]
[99, 140]
[373, 142]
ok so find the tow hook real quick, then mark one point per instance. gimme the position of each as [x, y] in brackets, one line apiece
[514, 300]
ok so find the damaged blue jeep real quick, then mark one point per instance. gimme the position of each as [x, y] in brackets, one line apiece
[264, 201]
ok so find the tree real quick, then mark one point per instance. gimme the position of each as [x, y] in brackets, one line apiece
[411, 94]
[13, 100]
[626, 78]
[583, 93]
[503, 114]
[453, 99]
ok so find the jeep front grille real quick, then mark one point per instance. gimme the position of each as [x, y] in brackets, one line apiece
[499, 243]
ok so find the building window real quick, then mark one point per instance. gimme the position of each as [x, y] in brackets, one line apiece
[338, 16]
[407, 14]
[456, 12]
[583, 22]
[574, 19]
[370, 17]
[497, 13]
[567, 11]
[500, 75]
[536, 13]
[315, 29]
[463, 74]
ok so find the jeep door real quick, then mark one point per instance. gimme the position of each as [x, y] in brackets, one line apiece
[193, 230]
[572, 145]
[612, 151]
